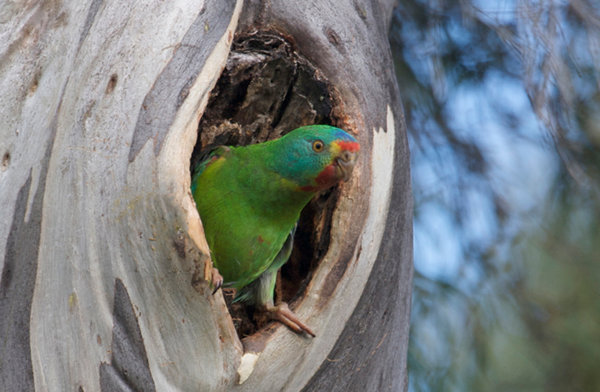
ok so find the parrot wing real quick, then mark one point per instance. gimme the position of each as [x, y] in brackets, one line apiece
[208, 155]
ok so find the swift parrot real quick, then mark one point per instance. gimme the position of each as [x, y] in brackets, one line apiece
[249, 199]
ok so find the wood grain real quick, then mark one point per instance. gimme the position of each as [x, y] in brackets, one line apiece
[102, 251]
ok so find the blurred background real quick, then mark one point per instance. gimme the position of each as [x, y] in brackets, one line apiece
[502, 101]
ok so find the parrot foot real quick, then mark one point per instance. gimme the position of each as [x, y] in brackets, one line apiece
[283, 314]
[216, 280]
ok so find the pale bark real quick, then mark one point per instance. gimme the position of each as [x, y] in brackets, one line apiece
[102, 254]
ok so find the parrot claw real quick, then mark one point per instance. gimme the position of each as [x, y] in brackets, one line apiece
[216, 280]
[283, 314]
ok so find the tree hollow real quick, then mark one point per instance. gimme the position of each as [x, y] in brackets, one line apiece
[266, 90]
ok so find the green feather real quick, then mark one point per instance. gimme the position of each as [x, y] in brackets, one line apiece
[250, 198]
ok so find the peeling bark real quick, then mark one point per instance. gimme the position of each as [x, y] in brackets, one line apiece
[103, 261]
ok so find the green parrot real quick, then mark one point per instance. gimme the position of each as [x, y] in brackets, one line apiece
[250, 198]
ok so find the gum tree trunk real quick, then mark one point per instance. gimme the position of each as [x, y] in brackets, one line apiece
[102, 254]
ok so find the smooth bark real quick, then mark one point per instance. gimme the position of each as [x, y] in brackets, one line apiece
[102, 256]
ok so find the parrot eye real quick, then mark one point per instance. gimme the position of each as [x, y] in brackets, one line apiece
[318, 145]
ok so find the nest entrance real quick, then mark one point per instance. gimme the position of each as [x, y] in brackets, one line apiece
[265, 91]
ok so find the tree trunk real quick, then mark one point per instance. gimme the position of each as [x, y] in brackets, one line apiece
[104, 264]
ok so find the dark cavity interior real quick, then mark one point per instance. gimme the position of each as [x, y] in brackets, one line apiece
[265, 91]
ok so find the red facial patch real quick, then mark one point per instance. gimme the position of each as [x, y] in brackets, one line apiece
[327, 176]
[348, 146]
[308, 188]
[325, 179]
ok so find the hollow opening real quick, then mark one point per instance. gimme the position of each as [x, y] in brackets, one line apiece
[266, 90]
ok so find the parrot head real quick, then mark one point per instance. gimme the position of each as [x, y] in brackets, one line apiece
[316, 157]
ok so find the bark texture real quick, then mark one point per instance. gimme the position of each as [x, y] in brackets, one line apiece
[102, 256]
